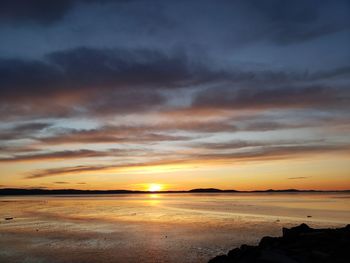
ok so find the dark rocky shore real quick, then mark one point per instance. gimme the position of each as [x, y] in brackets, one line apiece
[298, 244]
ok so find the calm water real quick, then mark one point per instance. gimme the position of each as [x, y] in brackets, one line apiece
[153, 227]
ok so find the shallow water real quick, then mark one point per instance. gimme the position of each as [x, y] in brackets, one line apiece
[154, 227]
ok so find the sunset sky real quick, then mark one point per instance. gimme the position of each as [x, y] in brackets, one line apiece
[102, 94]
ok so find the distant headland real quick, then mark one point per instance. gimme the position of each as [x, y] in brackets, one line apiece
[32, 191]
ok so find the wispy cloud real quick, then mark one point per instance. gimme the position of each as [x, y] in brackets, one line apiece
[64, 155]
[288, 97]
[23, 130]
[253, 155]
[299, 177]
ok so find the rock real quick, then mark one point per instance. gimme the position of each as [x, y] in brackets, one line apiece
[295, 231]
[319, 254]
[275, 256]
[219, 259]
[298, 244]
[267, 242]
[234, 253]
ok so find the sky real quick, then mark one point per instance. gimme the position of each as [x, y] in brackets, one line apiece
[132, 94]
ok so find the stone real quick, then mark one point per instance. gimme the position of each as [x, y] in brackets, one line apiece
[300, 244]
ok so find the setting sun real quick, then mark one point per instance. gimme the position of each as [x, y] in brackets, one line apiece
[155, 187]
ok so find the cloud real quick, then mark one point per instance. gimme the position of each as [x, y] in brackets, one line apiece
[157, 132]
[270, 98]
[87, 69]
[237, 144]
[299, 21]
[90, 81]
[254, 155]
[97, 81]
[30, 127]
[110, 135]
[21, 131]
[299, 177]
[63, 155]
[40, 11]
[280, 21]
[66, 170]
[183, 130]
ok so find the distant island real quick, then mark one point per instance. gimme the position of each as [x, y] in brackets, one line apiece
[22, 191]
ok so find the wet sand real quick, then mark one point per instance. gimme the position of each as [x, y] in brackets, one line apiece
[154, 227]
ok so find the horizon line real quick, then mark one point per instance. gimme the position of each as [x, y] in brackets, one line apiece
[10, 190]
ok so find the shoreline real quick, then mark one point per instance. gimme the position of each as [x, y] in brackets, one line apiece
[23, 191]
[297, 244]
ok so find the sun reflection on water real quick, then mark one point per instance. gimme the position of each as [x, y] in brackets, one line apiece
[153, 199]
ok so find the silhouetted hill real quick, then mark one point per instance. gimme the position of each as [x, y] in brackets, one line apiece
[209, 190]
[283, 190]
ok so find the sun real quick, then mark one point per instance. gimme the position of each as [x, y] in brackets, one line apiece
[155, 187]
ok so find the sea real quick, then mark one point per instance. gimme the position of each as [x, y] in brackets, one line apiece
[155, 227]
